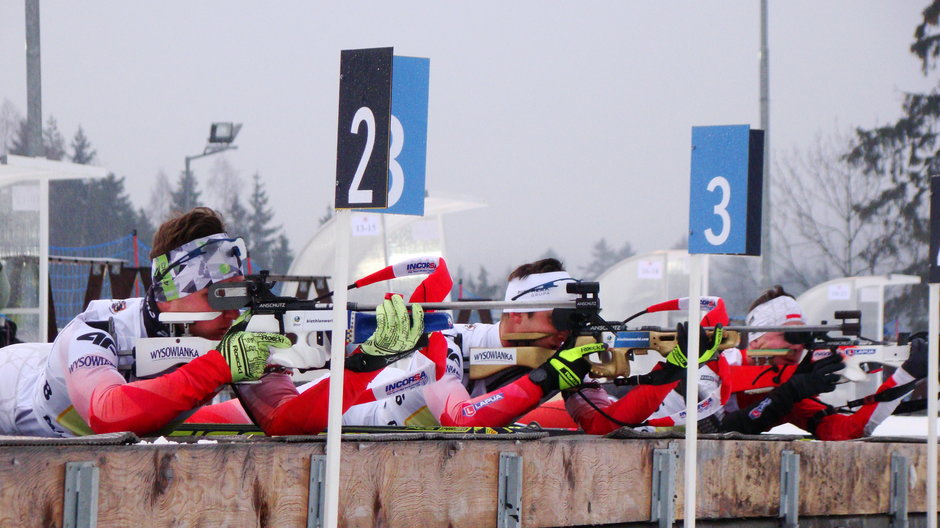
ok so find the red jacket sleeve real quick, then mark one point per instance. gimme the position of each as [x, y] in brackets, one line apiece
[494, 409]
[633, 409]
[146, 406]
[277, 407]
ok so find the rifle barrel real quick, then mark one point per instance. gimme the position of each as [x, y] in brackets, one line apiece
[470, 305]
[791, 328]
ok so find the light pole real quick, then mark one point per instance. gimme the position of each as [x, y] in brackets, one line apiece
[221, 137]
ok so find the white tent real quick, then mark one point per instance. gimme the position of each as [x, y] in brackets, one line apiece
[866, 294]
[643, 280]
[24, 235]
[377, 241]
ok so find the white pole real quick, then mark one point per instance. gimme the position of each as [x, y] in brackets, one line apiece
[691, 380]
[933, 347]
[337, 362]
[43, 259]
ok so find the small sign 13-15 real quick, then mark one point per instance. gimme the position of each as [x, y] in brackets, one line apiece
[382, 132]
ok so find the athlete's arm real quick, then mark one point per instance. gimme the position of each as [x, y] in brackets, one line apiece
[633, 409]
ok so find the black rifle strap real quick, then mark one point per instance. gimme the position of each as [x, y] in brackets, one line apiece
[886, 395]
[363, 362]
[604, 414]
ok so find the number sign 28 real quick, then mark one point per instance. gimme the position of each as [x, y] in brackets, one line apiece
[725, 192]
[372, 136]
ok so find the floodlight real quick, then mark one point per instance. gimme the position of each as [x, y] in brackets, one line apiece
[224, 132]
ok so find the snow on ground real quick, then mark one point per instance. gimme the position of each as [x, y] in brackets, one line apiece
[892, 426]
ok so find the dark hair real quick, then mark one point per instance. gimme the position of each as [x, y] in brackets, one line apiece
[186, 227]
[547, 265]
[772, 293]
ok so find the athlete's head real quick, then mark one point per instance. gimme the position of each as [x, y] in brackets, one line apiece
[775, 307]
[542, 280]
[190, 252]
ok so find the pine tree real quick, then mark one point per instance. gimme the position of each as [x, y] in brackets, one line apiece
[236, 219]
[18, 142]
[260, 235]
[82, 152]
[483, 288]
[52, 140]
[186, 195]
[282, 256]
[906, 154]
[604, 257]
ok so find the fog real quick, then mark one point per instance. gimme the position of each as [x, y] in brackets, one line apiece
[570, 120]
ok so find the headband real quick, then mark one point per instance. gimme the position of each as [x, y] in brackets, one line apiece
[539, 287]
[775, 312]
[197, 264]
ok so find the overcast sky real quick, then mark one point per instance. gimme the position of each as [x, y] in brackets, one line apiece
[571, 120]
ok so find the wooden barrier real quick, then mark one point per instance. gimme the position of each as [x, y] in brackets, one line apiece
[567, 481]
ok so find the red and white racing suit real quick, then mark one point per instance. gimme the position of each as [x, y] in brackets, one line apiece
[73, 386]
[453, 400]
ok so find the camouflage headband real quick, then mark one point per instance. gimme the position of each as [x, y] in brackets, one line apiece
[197, 264]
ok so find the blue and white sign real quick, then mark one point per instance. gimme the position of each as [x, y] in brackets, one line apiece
[409, 136]
[725, 192]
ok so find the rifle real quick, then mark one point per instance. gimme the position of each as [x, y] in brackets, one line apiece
[857, 352]
[307, 323]
[585, 325]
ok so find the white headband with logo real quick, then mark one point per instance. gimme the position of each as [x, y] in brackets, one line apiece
[775, 312]
[549, 286]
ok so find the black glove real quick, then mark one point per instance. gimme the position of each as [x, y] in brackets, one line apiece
[565, 369]
[707, 345]
[916, 362]
[821, 378]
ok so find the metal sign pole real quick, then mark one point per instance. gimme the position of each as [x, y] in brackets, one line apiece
[337, 364]
[933, 343]
[934, 347]
[691, 393]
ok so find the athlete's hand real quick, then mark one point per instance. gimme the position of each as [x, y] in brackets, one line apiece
[916, 362]
[707, 345]
[395, 331]
[565, 369]
[247, 352]
[821, 378]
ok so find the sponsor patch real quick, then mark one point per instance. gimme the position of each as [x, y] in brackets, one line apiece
[849, 352]
[470, 410]
[420, 267]
[89, 362]
[492, 356]
[756, 412]
[174, 352]
[408, 383]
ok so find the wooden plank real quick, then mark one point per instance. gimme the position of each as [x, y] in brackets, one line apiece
[567, 481]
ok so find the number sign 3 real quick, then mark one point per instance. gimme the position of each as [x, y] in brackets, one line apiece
[725, 191]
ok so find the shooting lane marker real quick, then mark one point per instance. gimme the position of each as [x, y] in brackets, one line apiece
[365, 93]
[725, 192]
[933, 327]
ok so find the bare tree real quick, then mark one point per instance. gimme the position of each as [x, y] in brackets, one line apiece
[159, 199]
[820, 233]
[224, 186]
[10, 119]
